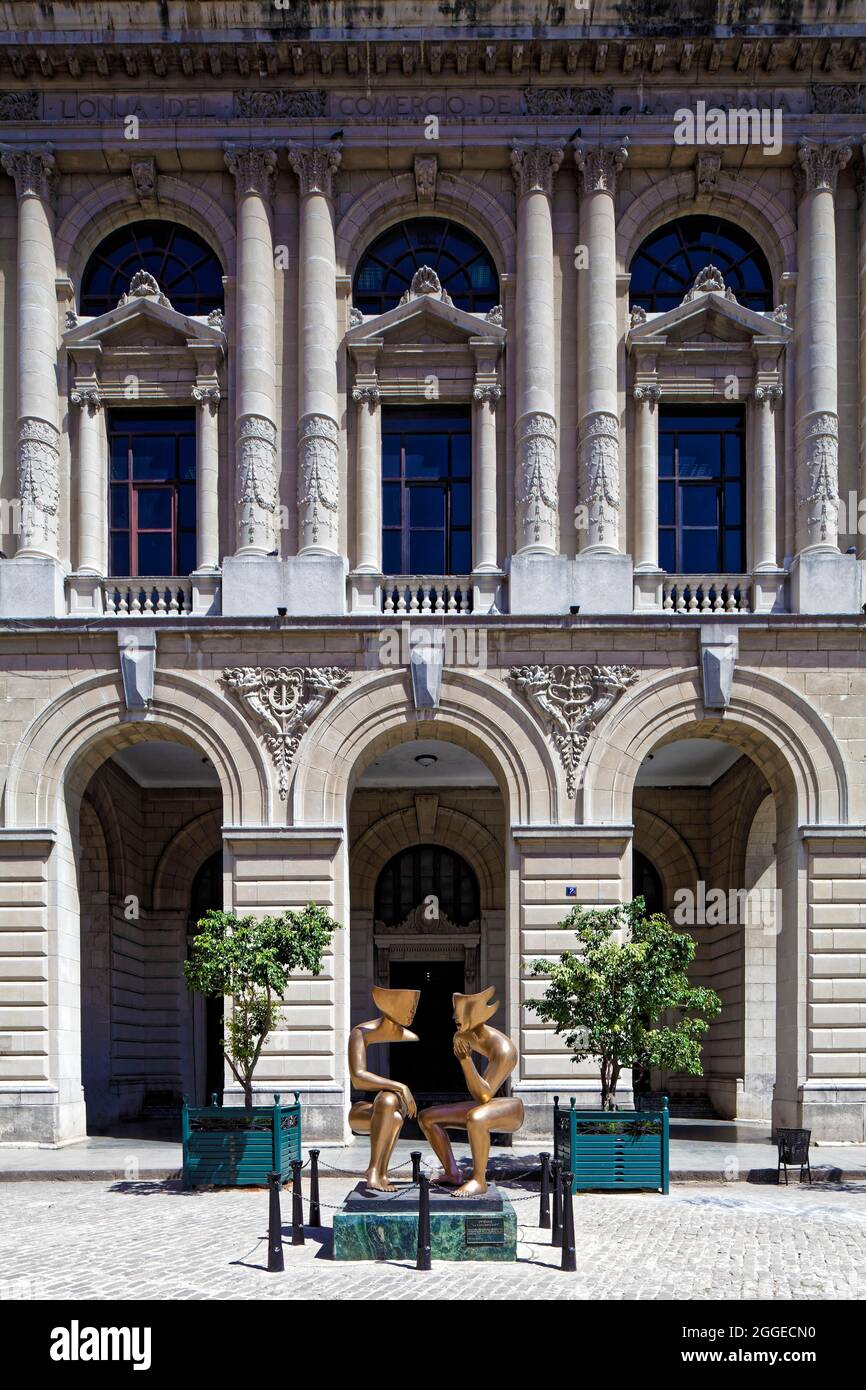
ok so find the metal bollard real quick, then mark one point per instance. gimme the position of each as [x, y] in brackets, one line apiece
[276, 1264]
[556, 1234]
[297, 1204]
[415, 1156]
[544, 1204]
[569, 1256]
[315, 1209]
[423, 1260]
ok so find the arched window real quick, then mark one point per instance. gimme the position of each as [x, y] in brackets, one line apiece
[183, 265]
[422, 872]
[463, 264]
[667, 263]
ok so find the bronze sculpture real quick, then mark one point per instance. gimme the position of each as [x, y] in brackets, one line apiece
[383, 1117]
[486, 1111]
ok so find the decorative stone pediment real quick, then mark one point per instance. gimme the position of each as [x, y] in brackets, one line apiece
[143, 317]
[426, 920]
[571, 700]
[426, 313]
[707, 314]
[282, 702]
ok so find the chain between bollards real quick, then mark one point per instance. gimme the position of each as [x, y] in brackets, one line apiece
[569, 1255]
[315, 1208]
[423, 1260]
[297, 1203]
[276, 1264]
[544, 1202]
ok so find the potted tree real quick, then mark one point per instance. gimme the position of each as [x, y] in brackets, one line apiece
[249, 960]
[622, 995]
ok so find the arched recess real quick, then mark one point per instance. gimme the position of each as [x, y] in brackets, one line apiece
[749, 202]
[68, 740]
[399, 830]
[775, 726]
[183, 858]
[111, 204]
[376, 713]
[106, 814]
[394, 199]
[667, 851]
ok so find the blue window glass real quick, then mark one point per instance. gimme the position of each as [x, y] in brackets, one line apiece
[152, 502]
[667, 263]
[427, 493]
[464, 266]
[701, 489]
[186, 269]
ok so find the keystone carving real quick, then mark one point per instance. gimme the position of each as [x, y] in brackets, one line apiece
[283, 701]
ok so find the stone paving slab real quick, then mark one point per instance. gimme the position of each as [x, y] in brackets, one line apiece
[154, 1241]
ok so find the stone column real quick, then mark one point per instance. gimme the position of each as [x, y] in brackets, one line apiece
[763, 474]
[598, 430]
[92, 546]
[318, 431]
[536, 491]
[484, 512]
[368, 482]
[38, 435]
[646, 478]
[255, 430]
[207, 478]
[817, 426]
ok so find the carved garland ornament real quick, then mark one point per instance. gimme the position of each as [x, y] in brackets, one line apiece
[571, 701]
[38, 483]
[538, 495]
[821, 452]
[318, 478]
[284, 700]
[257, 481]
[598, 450]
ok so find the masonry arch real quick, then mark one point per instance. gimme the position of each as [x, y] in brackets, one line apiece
[452, 830]
[667, 851]
[183, 858]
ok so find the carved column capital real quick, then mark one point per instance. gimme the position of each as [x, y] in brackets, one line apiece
[253, 167]
[649, 393]
[534, 167]
[487, 391]
[208, 396]
[368, 394]
[88, 397]
[315, 166]
[768, 394]
[599, 166]
[820, 165]
[34, 172]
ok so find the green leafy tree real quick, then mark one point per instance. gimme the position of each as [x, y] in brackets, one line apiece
[606, 996]
[251, 960]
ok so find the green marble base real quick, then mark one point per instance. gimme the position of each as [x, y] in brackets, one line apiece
[485, 1231]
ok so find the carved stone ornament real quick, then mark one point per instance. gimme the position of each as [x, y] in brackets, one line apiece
[537, 485]
[710, 280]
[425, 920]
[598, 456]
[368, 394]
[144, 176]
[315, 166]
[355, 317]
[144, 286]
[253, 168]
[648, 391]
[38, 483]
[318, 479]
[216, 319]
[820, 446]
[707, 169]
[19, 106]
[87, 396]
[534, 167]
[71, 319]
[637, 315]
[279, 101]
[568, 101]
[770, 393]
[820, 165]
[489, 391]
[208, 396]
[34, 172]
[839, 98]
[599, 166]
[571, 700]
[257, 482]
[425, 281]
[496, 315]
[426, 168]
[780, 314]
[283, 701]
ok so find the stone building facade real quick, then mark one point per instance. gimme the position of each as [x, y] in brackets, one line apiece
[432, 447]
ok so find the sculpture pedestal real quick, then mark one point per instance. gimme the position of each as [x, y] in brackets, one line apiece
[384, 1226]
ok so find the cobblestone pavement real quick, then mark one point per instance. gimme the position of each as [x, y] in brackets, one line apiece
[79, 1240]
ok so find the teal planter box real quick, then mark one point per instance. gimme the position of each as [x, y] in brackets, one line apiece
[228, 1146]
[615, 1150]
